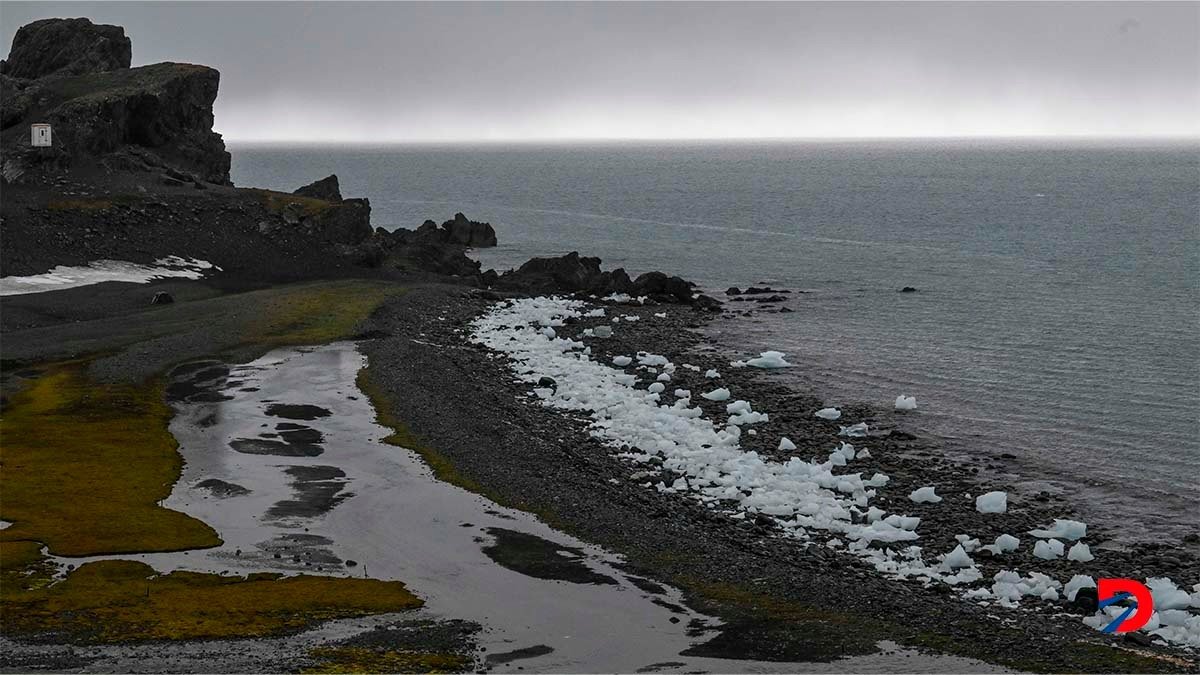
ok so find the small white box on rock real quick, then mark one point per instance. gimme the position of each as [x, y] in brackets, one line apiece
[39, 135]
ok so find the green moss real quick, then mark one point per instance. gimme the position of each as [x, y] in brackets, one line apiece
[85, 464]
[119, 600]
[365, 660]
[277, 202]
[317, 313]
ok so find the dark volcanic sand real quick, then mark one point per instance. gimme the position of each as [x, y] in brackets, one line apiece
[462, 401]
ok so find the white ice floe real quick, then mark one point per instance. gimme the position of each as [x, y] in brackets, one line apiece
[816, 502]
[656, 388]
[619, 361]
[1047, 549]
[719, 394]
[105, 270]
[1080, 552]
[769, 360]
[786, 444]
[906, 402]
[992, 502]
[924, 495]
[1062, 529]
[828, 413]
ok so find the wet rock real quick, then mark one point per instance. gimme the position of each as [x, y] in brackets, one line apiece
[1086, 601]
[546, 382]
[326, 189]
[707, 304]
[162, 298]
[733, 290]
[908, 289]
[470, 233]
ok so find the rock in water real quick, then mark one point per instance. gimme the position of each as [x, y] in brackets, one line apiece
[66, 47]
[327, 189]
[470, 233]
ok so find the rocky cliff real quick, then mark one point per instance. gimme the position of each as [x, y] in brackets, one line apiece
[75, 76]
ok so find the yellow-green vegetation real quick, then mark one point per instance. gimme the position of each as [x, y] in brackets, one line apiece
[84, 465]
[318, 313]
[120, 600]
[364, 660]
[280, 201]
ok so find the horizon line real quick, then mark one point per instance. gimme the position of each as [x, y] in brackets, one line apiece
[706, 139]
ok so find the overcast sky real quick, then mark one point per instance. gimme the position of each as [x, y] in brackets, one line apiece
[464, 71]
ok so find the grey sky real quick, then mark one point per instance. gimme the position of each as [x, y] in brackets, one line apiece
[448, 71]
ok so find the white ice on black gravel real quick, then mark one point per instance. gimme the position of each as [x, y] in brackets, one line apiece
[818, 502]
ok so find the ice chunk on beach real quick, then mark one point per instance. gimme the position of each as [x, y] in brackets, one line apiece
[957, 559]
[602, 331]
[712, 373]
[769, 360]
[656, 388]
[992, 502]
[1048, 549]
[786, 444]
[683, 393]
[924, 495]
[1077, 582]
[828, 413]
[622, 361]
[1062, 529]
[720, 394]
[854, 430]
[548, 332]
[1167, 595]
[1080, 552]
[663, 377]
[1006, 543]
[906, 402]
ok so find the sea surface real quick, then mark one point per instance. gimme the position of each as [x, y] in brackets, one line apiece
[1057, 316]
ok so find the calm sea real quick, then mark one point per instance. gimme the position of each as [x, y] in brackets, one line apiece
[1058, 317]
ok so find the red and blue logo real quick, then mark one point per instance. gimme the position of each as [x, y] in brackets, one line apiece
[1139, 611]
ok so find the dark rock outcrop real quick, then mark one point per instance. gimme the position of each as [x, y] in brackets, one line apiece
[470, 233]
[74, 75]
[66, 47]
[327, 188]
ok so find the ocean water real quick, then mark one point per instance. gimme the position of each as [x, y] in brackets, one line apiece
[1058, 312]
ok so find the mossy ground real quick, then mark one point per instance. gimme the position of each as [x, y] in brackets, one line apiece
[280, 201]
[120, 600]
[84, 466]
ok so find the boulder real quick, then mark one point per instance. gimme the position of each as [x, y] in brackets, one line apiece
[162, 298]
[66, 47]
[327, 189]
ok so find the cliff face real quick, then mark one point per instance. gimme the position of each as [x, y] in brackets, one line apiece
[102, 112]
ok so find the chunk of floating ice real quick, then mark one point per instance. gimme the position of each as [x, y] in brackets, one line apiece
[712, 373]
[656, 388]
[602, 331]
[992, 502]
[1062, 529]
[548, 332]
[828, 413]
[854, 430]
[1080, 552]
[769, 360]
[786, 444]
[721, 394]
[622, 361]
[906, 402]
[924, 495]
[1048, 549]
